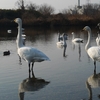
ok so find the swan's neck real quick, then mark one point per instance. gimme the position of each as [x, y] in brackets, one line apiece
[98, 36]
[89, 41]
[64, 40]
[19, 36]
[90, 90]
[58, 37]
[73, 36]
[21, 96]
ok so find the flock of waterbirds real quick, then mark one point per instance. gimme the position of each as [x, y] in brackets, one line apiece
[32, 55]
[92, 51]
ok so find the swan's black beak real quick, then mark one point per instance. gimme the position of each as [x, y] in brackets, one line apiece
[12, 21]
[82, 30]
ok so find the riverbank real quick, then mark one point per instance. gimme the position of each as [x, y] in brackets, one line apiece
[52, 20]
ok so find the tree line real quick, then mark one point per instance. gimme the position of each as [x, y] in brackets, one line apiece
[33, 15]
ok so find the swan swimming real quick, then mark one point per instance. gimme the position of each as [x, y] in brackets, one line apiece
[29, 54]
[76, 39]
[94, 51]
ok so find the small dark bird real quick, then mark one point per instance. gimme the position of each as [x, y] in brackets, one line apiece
[5, 53]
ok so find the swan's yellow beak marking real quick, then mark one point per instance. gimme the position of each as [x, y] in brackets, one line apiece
[14, 20]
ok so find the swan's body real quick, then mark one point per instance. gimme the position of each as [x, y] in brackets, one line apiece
[29, 54]
[94, 51]
[62, 43]
[76, 39]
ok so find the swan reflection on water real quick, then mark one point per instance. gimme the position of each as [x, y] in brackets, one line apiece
[30, 85]
[79, 48]
[64, 50]
[93, 82]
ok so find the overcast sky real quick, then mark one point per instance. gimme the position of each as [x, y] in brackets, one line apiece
[58, 5]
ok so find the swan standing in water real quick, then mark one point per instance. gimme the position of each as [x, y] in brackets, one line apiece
[98, 38]
[94, 51]
[60, 37]
[76, 39]
[29, 54]
[62, 43]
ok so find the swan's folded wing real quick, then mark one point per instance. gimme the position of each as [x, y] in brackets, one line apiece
[32, 54]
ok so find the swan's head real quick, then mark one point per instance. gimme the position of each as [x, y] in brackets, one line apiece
[18, 20]
[98, 24]
[86, 28]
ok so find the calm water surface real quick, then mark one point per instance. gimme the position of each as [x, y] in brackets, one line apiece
[69, 73]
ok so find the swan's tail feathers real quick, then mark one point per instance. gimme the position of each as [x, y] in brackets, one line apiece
[82, 41]
[47, 58]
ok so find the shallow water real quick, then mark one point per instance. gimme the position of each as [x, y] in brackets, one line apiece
[67, 73]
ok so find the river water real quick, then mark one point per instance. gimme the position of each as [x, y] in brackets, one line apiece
[67, 76]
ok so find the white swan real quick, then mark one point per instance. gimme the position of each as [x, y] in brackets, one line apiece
[60, 44]
[76, 39]
[98, 39]
[94, 51]
[29, 54]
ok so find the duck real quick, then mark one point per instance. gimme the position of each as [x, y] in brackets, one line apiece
[5, 53]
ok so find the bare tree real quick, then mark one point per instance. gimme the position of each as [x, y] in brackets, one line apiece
[32, 7]
[46, 9]
[91, 9]
[20, 4]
